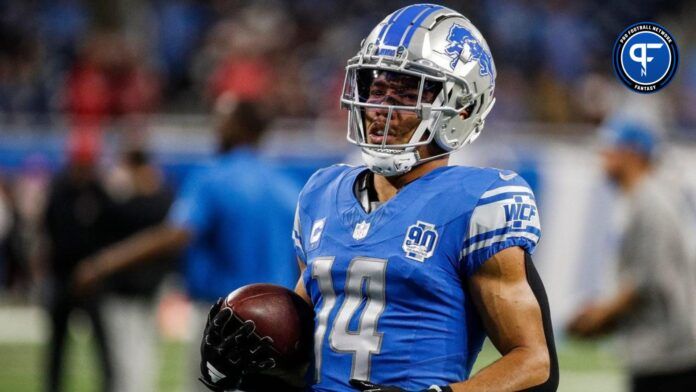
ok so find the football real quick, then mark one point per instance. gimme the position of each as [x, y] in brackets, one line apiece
[280, 314]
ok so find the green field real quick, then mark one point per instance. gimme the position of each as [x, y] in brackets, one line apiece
[584, 367]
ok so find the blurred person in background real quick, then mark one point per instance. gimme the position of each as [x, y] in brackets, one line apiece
[6, 223]
[654, 306]
[141, 201]
[76, 223]
[14, 271]
[231, 217]
[30, 189]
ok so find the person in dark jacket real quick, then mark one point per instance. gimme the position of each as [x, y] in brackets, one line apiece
[142, 201]
[76, 221]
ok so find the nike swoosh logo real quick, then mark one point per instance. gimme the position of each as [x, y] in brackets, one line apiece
[215, 375]
[507, 177]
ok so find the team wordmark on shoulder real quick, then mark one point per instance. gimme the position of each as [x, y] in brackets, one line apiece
[519, 212]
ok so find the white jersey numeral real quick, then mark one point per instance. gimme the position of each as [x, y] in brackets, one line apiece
[365, 283]
[321, 271]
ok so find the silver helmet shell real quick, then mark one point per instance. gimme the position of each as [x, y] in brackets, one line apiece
[437, 45]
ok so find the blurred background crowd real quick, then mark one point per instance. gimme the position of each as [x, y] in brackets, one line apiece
[118, 95]
[66, 56]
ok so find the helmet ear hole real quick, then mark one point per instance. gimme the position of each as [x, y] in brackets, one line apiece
[470, 107]
[467, 112]
[462, 101]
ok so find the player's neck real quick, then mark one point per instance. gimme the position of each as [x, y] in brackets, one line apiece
[388, 187]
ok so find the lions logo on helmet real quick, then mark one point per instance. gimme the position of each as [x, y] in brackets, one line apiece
[460, 39]
[439, 74]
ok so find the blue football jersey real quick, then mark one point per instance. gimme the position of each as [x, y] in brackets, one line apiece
[388, 287]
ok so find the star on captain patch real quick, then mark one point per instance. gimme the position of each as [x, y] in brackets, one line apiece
[361, 230]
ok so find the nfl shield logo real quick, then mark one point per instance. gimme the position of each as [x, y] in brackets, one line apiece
[361, 230]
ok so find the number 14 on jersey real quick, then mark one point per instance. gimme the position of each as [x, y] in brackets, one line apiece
[365, 283]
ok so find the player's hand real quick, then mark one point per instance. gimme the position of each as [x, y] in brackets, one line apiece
[591, 321]
[230, 350]
[86, 277]
[367, 386]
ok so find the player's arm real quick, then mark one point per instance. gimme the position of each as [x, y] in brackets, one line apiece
[149, 244]
[639, 258]
[509, 297]
[192, 215]
[597, 318]
[300, 287]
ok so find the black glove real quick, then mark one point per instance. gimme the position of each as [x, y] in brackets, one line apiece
[230, 350]
[367, 386]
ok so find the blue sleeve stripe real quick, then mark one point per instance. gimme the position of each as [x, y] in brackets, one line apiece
[299, 249]
[297, 235]
[497, 232]
[478, 257]
[503, 196]
[486, 243]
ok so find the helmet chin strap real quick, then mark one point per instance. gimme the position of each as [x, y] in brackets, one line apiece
[389, 164]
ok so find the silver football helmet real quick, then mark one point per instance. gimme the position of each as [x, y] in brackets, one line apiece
[426, 66]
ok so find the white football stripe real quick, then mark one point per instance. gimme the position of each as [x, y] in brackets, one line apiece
[296, 239]
[506, 189]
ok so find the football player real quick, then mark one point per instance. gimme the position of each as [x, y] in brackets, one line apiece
[408, 262]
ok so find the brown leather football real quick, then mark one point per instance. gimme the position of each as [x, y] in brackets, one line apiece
[280, 314]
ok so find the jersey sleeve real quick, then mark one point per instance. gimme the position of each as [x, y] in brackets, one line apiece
[297, 236]
[193, 208]
[313, 189]
[506, 215]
